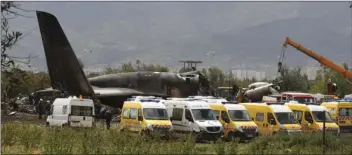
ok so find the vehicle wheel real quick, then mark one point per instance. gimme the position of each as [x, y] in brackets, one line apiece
[233, 138]
[122, 130]
[230, 137]
[47, 124]
[143, 133]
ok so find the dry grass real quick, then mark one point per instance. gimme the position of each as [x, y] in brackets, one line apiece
[33, 139]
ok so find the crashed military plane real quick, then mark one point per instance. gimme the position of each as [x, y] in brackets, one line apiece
[67, 75]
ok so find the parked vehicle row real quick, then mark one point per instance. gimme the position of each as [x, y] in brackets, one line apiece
[209, 118]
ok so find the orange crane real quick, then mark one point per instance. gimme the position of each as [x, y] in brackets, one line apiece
[324, 61]
[314, 55]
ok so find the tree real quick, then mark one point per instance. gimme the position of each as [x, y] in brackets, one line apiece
[16, 81]
[343, 84]
[293, 80]
[10, 38]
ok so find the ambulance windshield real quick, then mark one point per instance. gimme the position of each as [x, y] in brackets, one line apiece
[155, 114]
[286, 118]
[319, 116]
[239, 115]
[203, 114]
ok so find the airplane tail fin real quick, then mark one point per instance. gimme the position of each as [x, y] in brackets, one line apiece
[64, 68]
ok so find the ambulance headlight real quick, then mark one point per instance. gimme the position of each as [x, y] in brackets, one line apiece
[202, 128]
[221, 128]
[282, 127]
[239, 128]
[171, 127]
[149, 126]
[321, 128]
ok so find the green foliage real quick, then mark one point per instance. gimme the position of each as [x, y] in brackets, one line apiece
[42, 140]
[324, 74]
[16, 81]
[129, 67]
[9, 38]
[293, 80]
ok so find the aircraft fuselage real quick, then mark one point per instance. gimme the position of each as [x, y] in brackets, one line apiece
[162, 83]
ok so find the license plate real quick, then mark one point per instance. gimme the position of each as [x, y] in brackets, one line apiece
[249, 135]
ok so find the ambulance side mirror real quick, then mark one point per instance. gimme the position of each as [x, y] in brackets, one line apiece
[272, 122]
[227, 120]
[140, 118]
[190, 119]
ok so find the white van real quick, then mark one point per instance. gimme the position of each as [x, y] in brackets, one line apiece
[194, 117]
[71, 111]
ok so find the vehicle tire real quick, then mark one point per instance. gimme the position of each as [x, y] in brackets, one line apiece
[47, 124]
[122, 130]
[230, 137]
[233, 138]
[143, 133]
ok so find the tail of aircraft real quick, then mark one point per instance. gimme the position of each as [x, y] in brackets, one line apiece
[64, 68]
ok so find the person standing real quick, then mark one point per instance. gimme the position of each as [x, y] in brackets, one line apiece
[108, 118]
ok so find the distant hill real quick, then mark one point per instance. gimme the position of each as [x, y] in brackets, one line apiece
[238, 33]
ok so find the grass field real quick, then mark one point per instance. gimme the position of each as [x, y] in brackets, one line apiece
[34, 139]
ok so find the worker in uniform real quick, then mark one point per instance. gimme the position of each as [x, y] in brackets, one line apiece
[31, 98]
[41, 108]
[108, 118]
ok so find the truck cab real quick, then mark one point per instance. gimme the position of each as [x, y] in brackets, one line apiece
[71, 111]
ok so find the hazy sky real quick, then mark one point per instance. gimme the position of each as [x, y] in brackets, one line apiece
[165, 32]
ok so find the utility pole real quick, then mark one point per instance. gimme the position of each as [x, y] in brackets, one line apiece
[324, 140]
[351, 29]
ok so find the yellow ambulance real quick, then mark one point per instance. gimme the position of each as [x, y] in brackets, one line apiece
[311, 118]
[272, 119]
[341, 112]
[235, 120]
[145, 117]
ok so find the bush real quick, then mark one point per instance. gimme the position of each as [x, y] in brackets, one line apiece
[30, 139]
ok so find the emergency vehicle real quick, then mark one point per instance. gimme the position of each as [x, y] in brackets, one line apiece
[71, 111]
[145, 117]
[236, 121]
[341, 112]
[194, 116]
[311, 118]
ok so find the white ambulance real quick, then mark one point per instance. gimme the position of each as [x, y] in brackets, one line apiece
[194, 117]
[72, 111]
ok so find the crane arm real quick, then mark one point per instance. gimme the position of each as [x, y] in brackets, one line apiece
[319, 58]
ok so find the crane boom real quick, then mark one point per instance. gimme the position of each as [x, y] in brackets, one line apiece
[319, 58]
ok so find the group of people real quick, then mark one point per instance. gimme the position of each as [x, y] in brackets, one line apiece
[42, 106]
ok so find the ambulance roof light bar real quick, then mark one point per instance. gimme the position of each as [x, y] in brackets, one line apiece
[149, 100]
[229, 102]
